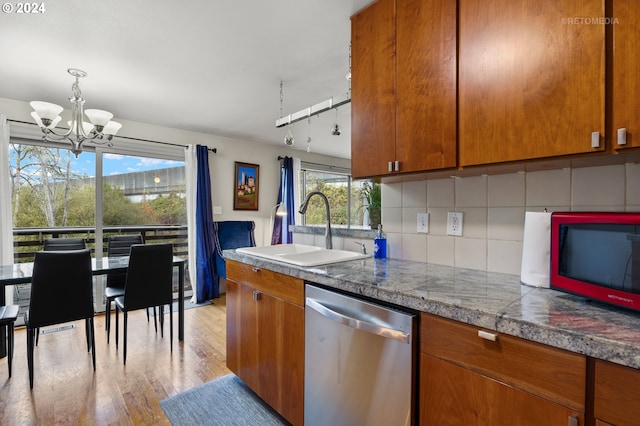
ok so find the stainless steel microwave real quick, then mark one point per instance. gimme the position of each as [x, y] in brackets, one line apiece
[597, 255]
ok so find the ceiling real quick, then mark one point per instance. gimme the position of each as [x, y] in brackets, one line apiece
[210, 66]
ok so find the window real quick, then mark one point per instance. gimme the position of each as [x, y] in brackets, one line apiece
[143, 191]
[55, 194]
[51, 189]
[347, 201]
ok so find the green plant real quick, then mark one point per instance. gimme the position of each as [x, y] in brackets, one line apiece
[371, 193]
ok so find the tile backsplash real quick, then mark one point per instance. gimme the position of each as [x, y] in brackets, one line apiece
[494, 208]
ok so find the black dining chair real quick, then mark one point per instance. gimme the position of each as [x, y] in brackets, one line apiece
[149, 283]
[60, 244]
[61, 291]
[231, 234]
[118, 245]
[8, 317]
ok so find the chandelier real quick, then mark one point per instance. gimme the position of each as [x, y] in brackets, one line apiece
[100, 129]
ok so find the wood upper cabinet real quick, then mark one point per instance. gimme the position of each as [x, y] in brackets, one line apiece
[373, 118]
[426, 84]
[471, 380]
[403, 102]
[531, 79]
[616, 394]
[265, 336]
[626, 71]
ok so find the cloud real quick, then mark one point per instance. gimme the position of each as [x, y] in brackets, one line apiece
[148, 162]
[114, 156]
[153, 162]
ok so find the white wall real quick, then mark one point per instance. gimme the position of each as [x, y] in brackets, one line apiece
[494, 209]
[222, 164]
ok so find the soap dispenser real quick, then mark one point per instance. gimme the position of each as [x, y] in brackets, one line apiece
[380, 245]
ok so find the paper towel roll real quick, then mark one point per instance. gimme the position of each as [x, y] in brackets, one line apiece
[536, 249]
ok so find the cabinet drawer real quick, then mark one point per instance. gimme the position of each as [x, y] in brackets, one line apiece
[277, 285]
[548, 372]
[617, 392]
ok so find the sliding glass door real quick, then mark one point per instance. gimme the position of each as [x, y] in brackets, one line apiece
[102, 192]
[53, 195]
[147, 196]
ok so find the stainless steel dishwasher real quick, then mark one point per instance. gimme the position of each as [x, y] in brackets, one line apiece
[359, 362]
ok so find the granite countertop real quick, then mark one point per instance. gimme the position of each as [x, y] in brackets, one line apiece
[489, 300]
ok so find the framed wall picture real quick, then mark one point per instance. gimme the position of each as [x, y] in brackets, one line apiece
[246, 191]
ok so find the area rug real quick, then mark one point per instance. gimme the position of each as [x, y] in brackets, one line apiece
[224, 401]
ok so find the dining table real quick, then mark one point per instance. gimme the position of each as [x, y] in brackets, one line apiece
[20, 273]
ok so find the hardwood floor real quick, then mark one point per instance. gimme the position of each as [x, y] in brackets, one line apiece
[67, 391]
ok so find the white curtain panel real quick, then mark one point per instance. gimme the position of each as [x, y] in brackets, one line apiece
[6, 222]
[296, 188]
[191, 177]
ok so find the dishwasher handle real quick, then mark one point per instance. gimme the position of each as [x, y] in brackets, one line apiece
[358, 324]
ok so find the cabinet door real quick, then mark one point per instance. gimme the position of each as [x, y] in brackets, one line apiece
[550, 373]
[626, 68]
[265, 345]
[531, 79]
[242, 334]
[426, 84]
[617, 394]
[281, 353]
[373, 114]
[453, 395]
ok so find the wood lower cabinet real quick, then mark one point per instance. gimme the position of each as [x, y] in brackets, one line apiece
[467, 379]
[265, 336]
[531, 79]
[616, 394]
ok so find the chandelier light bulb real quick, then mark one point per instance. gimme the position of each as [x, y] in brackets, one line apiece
[111, 128]
[46, 110]
[98, 117]
[86, 127]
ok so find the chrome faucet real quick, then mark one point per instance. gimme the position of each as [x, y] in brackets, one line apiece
[303, 210]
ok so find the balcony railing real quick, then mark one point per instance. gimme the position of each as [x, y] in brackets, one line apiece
[27, 241]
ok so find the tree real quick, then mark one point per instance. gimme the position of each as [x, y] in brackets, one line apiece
[45, 193]
[120, 210]
[170, 209]
[336, 194]
[47, 172]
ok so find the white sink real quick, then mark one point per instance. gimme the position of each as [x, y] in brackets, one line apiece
[302, 255]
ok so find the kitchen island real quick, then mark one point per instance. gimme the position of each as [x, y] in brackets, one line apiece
[493, 302]
[484, 299]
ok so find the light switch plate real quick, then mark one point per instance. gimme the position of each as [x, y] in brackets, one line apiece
[423, 223]
[217, 209]
[454, 223]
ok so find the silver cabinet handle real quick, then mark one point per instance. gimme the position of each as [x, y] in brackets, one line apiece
[397, 165]
[256, 295]
[622, 136]
[595, 139]
[487, 336]
[358, 324]
[390, 166]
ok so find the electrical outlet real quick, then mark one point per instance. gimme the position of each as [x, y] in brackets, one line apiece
[217, 209]
[423, 223]
[454, 223]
